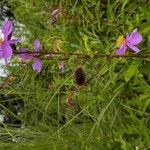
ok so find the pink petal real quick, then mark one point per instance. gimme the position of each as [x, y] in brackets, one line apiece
[56, 13]
[37, 65]
[134, 48]
[25, 55]
[121, 50]
[7, 29]
[1, 53]
[134, 38]
[37, 46]
[14, 41]
[6, 51]
[62, 66]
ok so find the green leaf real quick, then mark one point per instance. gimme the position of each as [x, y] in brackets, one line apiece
[132, 70]
[87, 46]
[145, 27]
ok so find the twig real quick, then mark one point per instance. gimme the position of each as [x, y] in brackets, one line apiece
[84, 56]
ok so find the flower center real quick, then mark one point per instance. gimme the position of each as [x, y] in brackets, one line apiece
[120, 41]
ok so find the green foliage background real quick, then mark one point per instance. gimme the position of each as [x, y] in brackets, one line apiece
[112, 112]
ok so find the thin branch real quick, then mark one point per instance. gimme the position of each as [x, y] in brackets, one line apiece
[84, 56]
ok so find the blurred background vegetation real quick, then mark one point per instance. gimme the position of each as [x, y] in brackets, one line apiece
[112, 112]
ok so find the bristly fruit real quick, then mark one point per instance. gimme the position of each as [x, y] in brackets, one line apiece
[79, 76]
[70, 102]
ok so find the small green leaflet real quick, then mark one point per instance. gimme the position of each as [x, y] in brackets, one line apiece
[87, 46]
[132, 70]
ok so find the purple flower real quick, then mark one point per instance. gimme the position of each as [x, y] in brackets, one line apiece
[54, 16]
[129, 42]
[7, 44]
[37, 65]
[62, 66]
[26, 55]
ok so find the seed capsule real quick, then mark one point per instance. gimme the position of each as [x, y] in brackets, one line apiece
[70, 102]
[79, 76]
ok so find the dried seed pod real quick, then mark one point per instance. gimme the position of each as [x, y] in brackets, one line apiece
[79, 76]
[70, 101]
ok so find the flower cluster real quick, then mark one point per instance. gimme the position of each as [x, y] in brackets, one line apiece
[8, 44]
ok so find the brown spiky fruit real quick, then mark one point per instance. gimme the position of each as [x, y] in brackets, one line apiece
[70, 102]
[79, 76]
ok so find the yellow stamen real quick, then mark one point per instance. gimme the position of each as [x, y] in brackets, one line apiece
[1, 41]
[121, 40]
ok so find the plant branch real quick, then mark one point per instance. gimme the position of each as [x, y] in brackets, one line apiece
[83, 56]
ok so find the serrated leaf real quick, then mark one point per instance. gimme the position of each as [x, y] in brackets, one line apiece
[87, 46]
[145, 27]
[132, 70]
[57, 45]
